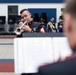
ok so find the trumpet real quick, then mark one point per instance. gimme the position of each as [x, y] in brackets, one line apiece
[19, 30]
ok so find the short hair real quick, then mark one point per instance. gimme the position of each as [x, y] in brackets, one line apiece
[71, 7]
[23, 10]
[62, 9]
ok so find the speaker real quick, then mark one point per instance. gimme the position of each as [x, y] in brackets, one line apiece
[11, 19]
[2, 19]
[13, 10]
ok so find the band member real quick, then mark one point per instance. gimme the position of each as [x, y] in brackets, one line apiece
[51, 25]
[60, 25]
[30, 26]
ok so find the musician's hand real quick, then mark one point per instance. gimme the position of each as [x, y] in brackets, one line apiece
[20, 24]
[27, 28]
[60, 26]
[42, 30]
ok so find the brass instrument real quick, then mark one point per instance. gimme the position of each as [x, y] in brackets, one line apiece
[19, 30]
[51, 25]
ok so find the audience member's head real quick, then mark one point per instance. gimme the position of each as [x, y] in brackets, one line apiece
[62, 11]
[70, 23]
